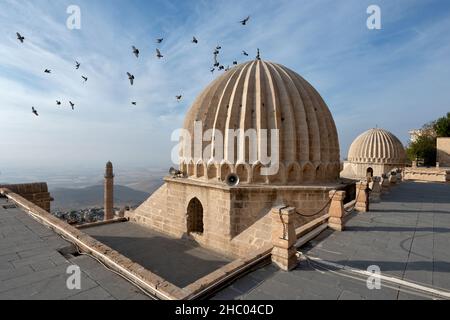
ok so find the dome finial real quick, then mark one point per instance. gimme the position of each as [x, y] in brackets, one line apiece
[258, 56]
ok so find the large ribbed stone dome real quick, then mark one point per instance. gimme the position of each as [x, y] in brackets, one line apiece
[377, 146]
[262, 95]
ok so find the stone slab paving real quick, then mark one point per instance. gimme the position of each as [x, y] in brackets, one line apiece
[179, 261]
[32, 268]
[407, 235]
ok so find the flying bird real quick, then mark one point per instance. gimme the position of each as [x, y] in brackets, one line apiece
[221, 67]
[244, 22]
[212, 70]
[19, 37]
[159, 40]
[218, 47]
[135, 51]
[245, 53]
[58, 103]
[72, 105]
[130, 77]
[84, 78]
[216, 52]
[235, 63]
[77, 65]
[34, 111]
[48, 71]
[179, 97]
[194, 40]
[216, 63]
[133, 103]
[158, 54]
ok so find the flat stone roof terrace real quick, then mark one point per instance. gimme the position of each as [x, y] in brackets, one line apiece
[407, 236]
[179, 261]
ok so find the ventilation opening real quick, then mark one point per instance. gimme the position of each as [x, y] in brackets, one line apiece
[69, 252]
[9, 206]
[195, 217]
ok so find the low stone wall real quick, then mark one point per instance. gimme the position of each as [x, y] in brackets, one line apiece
[37, 193]
[236, 220]
[427, 174]
[113, 259]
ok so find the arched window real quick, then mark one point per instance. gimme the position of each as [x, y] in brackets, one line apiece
[195, 216]
[369, 173]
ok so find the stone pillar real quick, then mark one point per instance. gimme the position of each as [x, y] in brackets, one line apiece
[284, 253]
[399, 176]
[437, 165]
[376, 190]
[414, 164]
[109, 192]
[385, 185]
[336, 210]
[362, 197]
[393, 178]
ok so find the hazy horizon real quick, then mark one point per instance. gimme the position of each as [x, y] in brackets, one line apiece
[395, 78]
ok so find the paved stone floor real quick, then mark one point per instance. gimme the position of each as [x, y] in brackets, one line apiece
[407, 236]
[31, 266]
[180, 261]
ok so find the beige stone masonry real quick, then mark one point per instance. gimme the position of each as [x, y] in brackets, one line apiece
[385, 185]
[336, 210]
[362, 199]
[284, 238]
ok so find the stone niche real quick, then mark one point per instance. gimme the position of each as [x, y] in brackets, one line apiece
[36, 193]
[232, 220]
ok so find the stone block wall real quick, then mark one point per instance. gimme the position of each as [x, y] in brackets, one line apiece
[236, 221]
[37, 193]
[443, 152]
[427, 174]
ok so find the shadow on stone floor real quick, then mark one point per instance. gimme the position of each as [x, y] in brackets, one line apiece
[179, 262]
[397, 229]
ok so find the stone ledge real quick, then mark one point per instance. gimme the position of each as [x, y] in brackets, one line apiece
[152, 282]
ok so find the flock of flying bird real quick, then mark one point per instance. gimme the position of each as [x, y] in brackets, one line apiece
[136, 52]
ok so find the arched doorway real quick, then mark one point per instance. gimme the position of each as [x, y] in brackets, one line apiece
[195, 216]
[369, 173]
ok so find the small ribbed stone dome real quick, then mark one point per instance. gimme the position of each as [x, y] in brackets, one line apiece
[377, 146]
[264, 95]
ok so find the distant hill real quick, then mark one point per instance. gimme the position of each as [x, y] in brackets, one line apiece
[76, 199]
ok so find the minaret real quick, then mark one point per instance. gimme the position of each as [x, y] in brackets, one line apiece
[109, 192]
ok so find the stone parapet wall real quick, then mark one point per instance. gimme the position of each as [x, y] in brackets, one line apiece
[427, 174]
[36, 193]
[237, 220]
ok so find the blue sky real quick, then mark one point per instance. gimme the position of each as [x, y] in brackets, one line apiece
[396, 78]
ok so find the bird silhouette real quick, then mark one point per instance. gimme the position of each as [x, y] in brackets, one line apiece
[133, 103]
[77, 65]
[159, 40]
[135, 51]
[194, 40]
[158, 54]
[212, 70]
[244, 22]
[221, 67]
[131, 78]
[58, 103]
[235, 62]
[179, 97]
[218, 47]
[84, 78]
[216, 63]
[245, 53]
[19, 37]
[72, 105]
[48, 71]
[34, 111]
[216, 52]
